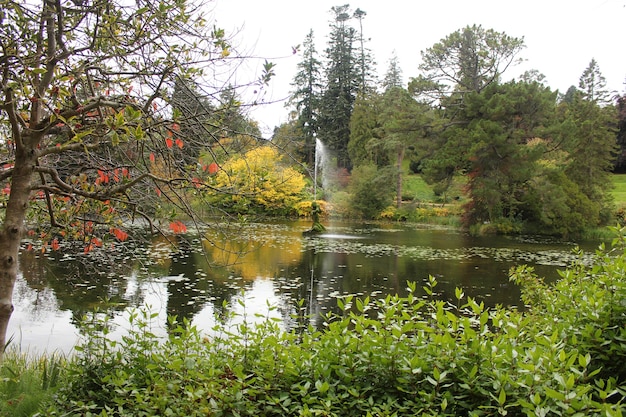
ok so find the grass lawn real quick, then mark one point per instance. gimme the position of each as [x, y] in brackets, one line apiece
[415, 188]
[619, 190]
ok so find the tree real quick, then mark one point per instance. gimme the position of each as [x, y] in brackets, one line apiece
[590, 126]
[87, 101]
[369, 190]
[504, 119]
[194, 114]
[592, 84]
[363, 146]
[342, 85]
[467, 60]
[306, 96]
[620, 164]
[403, 123]
[393, 76]
[365, 63]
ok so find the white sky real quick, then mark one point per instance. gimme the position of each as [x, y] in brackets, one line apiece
[561, 36]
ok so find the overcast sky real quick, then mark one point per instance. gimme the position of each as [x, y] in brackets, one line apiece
[561, 36]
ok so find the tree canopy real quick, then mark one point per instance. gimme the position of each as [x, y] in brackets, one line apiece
[102, 123]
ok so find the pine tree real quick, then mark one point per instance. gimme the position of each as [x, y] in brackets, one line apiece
[591, 132]
[342, 85]
[365, 62]
[467, 60]
[393, 76]
[593, 84]
[364, 146]
[306, 96]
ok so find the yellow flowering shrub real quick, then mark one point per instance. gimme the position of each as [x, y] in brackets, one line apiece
[259, 179]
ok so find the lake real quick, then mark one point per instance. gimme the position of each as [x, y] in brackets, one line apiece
[263, 270]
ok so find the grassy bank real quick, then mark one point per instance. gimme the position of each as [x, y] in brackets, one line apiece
[619, 189]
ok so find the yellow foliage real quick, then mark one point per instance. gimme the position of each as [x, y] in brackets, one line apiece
[303, 208]
[260, 177]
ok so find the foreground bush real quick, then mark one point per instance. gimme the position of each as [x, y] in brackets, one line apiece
[411, 356]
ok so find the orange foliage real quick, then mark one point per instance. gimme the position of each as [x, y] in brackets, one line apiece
[178, 227]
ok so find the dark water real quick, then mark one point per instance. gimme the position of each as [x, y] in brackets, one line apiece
[271, 267]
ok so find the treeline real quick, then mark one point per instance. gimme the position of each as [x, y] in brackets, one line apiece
[534, 159]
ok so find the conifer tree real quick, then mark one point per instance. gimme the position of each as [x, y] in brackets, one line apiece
[591, 126]
[306, 95]
[393, 76]
[342, 85]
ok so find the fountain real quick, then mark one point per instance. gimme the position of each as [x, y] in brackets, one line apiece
[320, 164]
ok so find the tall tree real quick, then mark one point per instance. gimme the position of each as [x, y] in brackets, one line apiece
[393, 76]
[591, 126]
[504, 118]
[307, 85]
[342, 84]
[365, 62]
[620, 164]
[467, 60]
[91, 83]
[592, 84]
[194, 113]
[403, 123]
[365, 145]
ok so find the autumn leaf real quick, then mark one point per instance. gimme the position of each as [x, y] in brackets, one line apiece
[169, 142]
[213, 168]
[119, 234]
[178, 227]
[54, 245]
[179, 143]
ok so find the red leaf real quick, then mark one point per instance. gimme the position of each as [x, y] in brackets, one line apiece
[179, 143]
[119, 234]
[54, 245]
[178, 227]
[169, 142]
[213, 168]
[152, 158]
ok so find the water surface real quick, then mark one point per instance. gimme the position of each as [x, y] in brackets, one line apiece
[264, 269]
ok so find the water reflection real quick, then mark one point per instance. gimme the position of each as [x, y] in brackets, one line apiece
[273, 264]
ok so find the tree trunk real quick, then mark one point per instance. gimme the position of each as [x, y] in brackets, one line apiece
[11, 234]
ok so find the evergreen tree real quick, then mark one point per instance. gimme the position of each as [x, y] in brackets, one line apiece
[590, 138]
[365, 62]
[364, 146]
[393, 76]
[403, 123]
[342, 84]
[467, 60]
[306, 96]
[620, 164]
[504, 118]
[593, 85]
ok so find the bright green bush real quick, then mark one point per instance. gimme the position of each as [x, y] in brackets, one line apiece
[565, 354]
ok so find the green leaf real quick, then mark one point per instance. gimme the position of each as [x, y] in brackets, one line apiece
[502, 397]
